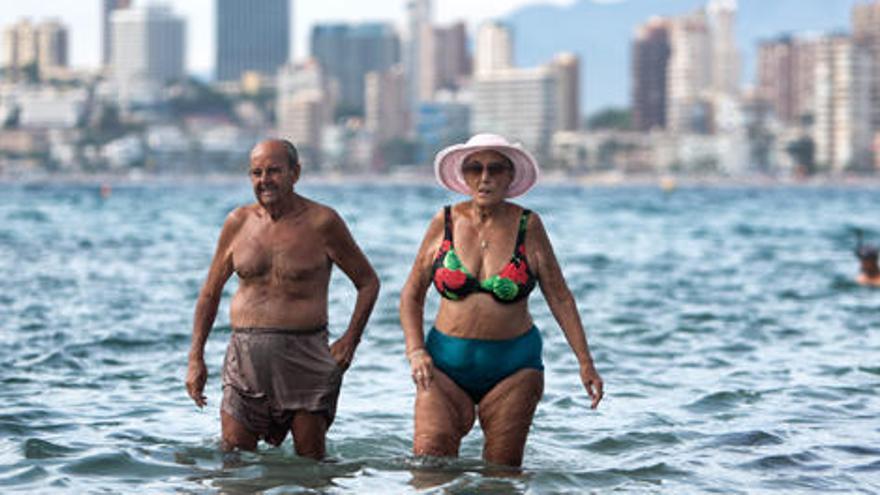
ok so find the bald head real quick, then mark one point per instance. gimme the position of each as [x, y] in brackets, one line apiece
[277, 147]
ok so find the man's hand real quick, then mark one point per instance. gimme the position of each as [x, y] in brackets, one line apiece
[343, 351]
[593, 383]
[196, 376]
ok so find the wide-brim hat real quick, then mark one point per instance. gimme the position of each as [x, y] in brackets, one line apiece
[447, 163]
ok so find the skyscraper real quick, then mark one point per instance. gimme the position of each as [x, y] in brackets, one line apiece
[347, 52]
[520, 104]
[842, 128]
[251, 36]
[494, 48]
[866, 33]
[418, 56]
[787, 77]
[41, 46]
[148, 44]
[567, 67]
[721, 17]
[304, 107]
[650, 59]
[109, 6]
[688, 74]
[452, 59]
[385, 101]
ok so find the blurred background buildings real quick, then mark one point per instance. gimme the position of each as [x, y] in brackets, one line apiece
[375, 97]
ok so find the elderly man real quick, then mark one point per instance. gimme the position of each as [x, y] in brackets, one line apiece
[279, 373]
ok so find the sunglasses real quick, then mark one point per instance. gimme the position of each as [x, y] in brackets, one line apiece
[475, 168]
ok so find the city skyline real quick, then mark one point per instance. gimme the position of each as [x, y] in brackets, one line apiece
[83, 18]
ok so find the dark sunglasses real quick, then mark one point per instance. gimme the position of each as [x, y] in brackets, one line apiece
[475, 168]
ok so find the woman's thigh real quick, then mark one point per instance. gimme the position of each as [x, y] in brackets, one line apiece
[506, 414]
[444, 413]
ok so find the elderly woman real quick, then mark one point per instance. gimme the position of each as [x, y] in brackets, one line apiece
[484, 256]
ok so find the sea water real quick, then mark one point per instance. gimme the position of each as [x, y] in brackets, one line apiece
[738, 354]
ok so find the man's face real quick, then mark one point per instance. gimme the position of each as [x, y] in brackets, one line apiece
[271, 175]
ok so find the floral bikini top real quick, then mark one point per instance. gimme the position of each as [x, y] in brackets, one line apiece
[453, 280]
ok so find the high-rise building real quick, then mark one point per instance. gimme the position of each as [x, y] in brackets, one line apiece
[787, 76]
[40, 47]
[347, 52]
[842, 127]
[109, 6]
[866, 33]
[148, 45]
[385, 102]
[453, 62]
[721, 18]
[494, 49]
[252, 36]
[418, 56]
[52, 46]
[304, 106]
[650, 59]
[688, 74]
[567, 67]
[520, 104]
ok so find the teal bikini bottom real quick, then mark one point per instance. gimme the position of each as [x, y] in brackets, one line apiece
[477, 365]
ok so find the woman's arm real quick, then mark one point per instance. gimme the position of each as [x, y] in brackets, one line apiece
[412, 303]
[562, 304]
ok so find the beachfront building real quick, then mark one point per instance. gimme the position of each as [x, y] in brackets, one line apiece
[251, 37]
[866, 33]
[567, 67]
[148, 45]
[650, 59]
[520, 104]
[306, 98]
[494, 48]
[688, 74]
[725, 59]
[385, 99]
[107, 9]
[787, 77]
[842, 128]
[452, 60]
[41, 49]
[418, 53]
[347, 52]
[442, 122]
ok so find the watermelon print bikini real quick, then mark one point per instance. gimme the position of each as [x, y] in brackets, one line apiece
[453, 280]
[477, 365]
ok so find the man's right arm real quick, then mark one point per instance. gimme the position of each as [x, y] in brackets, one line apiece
[206, 306]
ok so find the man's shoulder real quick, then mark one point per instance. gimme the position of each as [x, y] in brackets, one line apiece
[321, 215]
[241, 213]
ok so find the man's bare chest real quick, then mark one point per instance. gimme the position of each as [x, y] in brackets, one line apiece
[293, 254]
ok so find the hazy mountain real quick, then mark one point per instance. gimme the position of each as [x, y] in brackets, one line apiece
[601, 34]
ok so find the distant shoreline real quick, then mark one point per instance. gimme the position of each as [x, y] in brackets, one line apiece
[427, 179]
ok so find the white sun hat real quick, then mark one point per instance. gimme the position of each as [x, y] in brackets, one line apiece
[447, 163]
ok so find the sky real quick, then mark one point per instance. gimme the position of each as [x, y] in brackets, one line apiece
[83, 18]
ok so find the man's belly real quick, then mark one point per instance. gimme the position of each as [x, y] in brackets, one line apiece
[282, 311]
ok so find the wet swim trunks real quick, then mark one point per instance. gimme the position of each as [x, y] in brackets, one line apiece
[268, 374]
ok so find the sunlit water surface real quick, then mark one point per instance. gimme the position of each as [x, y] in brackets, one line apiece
[738, 354]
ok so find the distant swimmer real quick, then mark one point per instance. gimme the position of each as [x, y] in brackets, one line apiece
[867, 254]
[279, 373]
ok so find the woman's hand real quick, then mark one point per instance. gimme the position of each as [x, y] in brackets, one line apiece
[422, 367]
[592, 382]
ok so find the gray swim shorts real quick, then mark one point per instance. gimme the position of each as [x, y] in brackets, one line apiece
[269, 374]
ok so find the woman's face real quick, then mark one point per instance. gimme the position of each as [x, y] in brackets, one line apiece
[488, 174]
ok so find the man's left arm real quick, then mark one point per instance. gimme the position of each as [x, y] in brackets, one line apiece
[344, 251]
